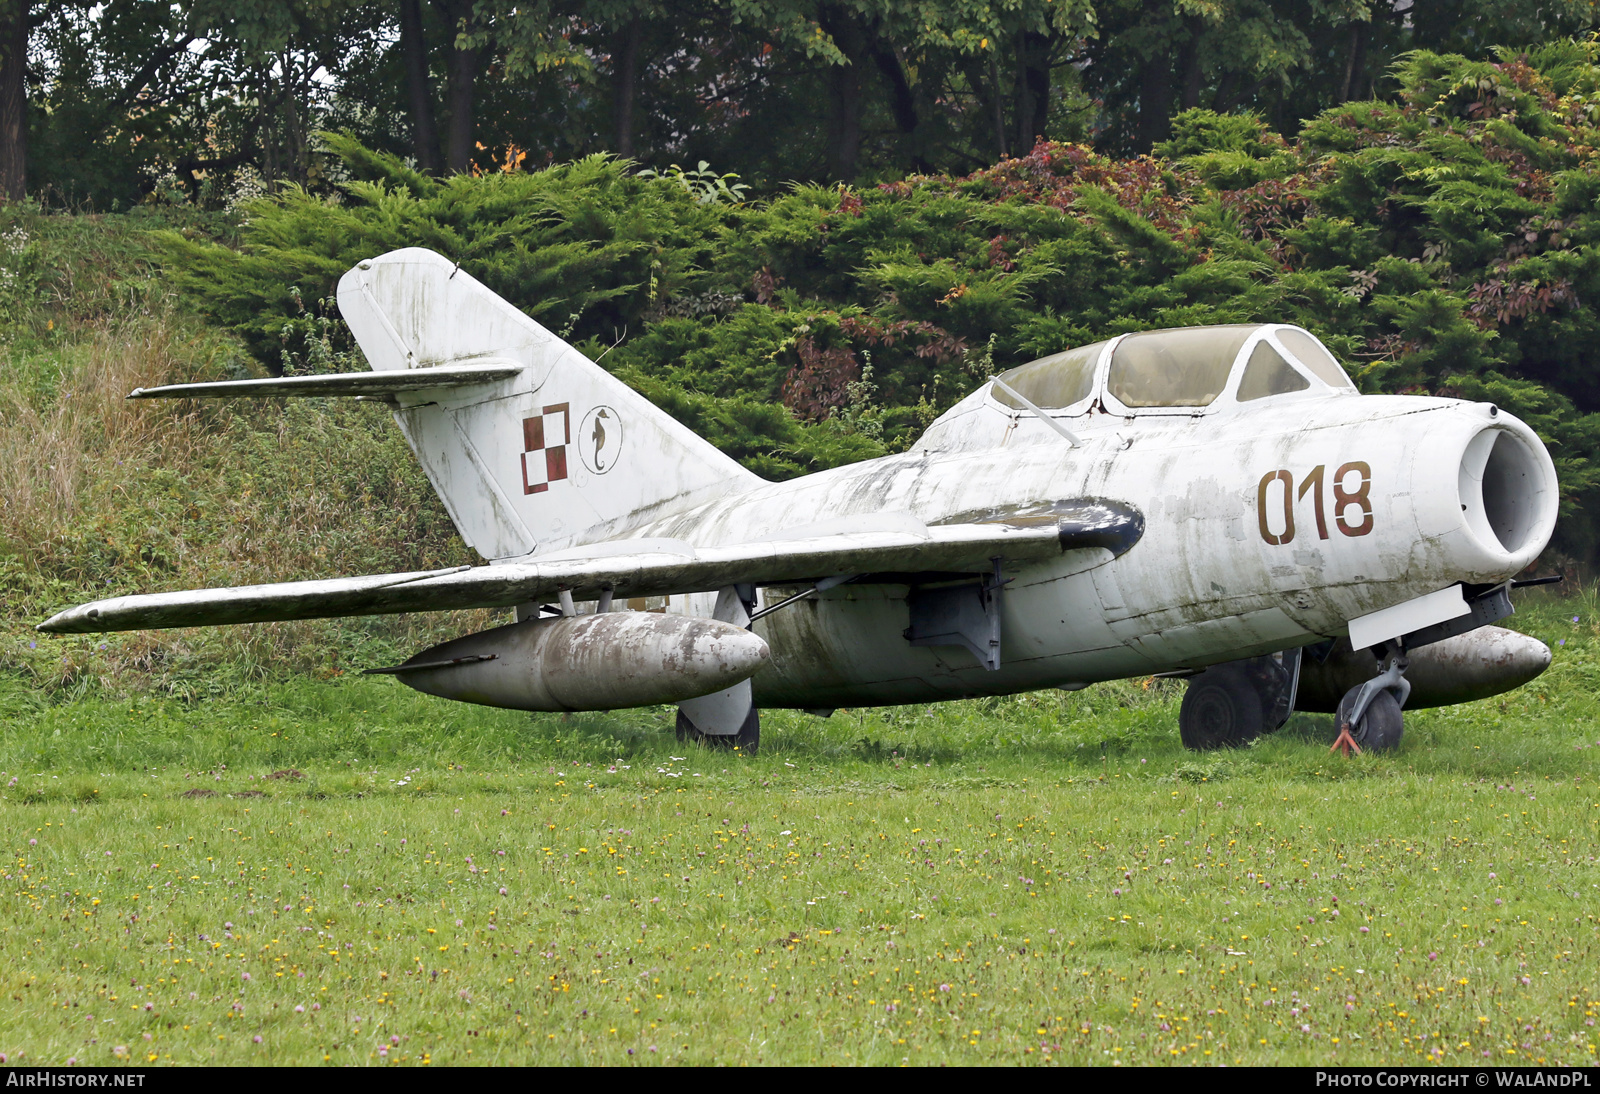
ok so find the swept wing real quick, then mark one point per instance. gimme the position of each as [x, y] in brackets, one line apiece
[630, 568]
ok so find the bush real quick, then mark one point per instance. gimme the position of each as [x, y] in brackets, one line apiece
[1445, 242]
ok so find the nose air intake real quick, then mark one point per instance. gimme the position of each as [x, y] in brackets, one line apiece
[1507, 493]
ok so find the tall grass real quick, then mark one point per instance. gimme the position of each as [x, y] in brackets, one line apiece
[101, 496]
[66, 425]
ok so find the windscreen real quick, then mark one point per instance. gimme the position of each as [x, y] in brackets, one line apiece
[1053, 382]
[1185, 367]
[1315, 356]
[1268, 374]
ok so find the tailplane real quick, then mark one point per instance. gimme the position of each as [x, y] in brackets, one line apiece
[558, 454]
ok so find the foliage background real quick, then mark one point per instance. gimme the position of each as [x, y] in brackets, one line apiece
[1440, 241]
[133, 100]
[1443, 242]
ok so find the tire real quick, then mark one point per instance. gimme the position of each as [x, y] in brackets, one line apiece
[1220, 710]
[747, 740]
[1381, 726]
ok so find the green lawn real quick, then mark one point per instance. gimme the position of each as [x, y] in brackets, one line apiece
[1047, 878]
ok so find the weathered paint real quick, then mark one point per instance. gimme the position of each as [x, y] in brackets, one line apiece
[590, 662]
[1201, 586]
[659, 567]
[1475, 665]
[413, 308]
[366, 384]
[1165, 539]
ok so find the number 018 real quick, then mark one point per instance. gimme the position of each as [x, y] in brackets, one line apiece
[1344, 499]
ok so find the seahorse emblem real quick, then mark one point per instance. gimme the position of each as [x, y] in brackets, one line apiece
[599, 437]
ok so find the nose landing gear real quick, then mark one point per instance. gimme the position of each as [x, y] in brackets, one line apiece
[1369, 717]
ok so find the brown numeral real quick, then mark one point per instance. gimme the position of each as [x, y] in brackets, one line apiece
[1343, 499]
[1313, 483]
[1288, 506]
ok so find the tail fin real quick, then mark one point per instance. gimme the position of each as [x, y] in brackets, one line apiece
[560, 454]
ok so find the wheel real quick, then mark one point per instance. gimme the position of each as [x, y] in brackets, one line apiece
[1382, 724]
[1220, 710]
[747, 740]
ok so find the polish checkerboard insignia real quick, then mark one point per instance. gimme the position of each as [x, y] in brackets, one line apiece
[545, 438]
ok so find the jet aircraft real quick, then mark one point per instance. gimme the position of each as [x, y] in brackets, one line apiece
[1214, 503]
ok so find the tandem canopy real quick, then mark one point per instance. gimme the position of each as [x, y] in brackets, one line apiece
[1187, 367]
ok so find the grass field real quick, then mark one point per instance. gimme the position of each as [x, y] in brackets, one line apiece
[1043, 879]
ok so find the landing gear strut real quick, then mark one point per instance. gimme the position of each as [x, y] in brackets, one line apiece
[1370, 713]
[1230, 705]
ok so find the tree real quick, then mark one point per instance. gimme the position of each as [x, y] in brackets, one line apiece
[419, 88]
[15, 20]
[1155, 58]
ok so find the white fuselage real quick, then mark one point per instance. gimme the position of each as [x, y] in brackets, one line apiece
[1248, 500]
[1214, 577]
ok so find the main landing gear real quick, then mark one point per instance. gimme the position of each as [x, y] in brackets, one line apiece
[746, 740]
[1230, 705]
[725, 719]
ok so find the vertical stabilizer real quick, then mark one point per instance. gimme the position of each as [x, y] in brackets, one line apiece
[557, 455]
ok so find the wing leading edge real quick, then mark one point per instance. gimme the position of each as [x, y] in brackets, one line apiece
[630, 568]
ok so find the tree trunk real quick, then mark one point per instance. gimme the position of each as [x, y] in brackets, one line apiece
[424, 128]
[1155, 102]
[978, 82]
[1355, 69]
[997, 99]
[844, 86]
[844, 138]
[458, 98]
[902, 101]
[1033, 88]
[902, 97]
[1222, 101]
[461, 78]
[267, 149]
[1189, 61]
[293, 146]
[625, 84]
[14, 99]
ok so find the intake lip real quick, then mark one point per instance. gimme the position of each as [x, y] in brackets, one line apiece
[1506, 486]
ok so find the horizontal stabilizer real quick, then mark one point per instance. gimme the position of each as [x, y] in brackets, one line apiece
[482, 371]
[654, 568]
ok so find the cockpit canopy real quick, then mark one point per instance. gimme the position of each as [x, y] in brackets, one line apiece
[1185, 368]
